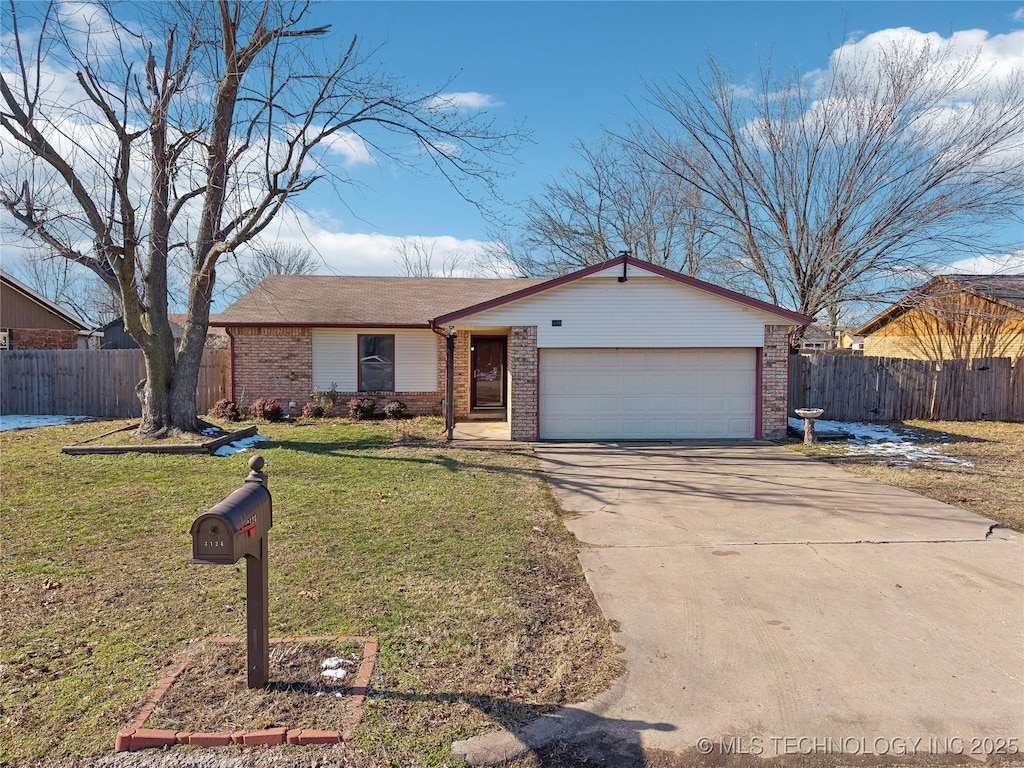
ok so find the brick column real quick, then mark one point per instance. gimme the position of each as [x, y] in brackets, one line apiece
[273, 362]
[524, 403]
[462, 375]
[775, 382]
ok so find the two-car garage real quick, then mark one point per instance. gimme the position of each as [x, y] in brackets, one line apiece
[630, 393]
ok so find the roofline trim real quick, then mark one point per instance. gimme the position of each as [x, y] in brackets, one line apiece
[223, 324]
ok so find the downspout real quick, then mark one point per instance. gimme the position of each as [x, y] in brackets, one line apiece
[759, 393]
[231, 362]
[449, 395]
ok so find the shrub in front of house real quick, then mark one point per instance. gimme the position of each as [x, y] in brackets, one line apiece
[314, 410]
[327, 398]
[266, 408]
[225, 410]
[361, 408]
[396, 410]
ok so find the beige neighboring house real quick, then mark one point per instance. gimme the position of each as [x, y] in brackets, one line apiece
[28, 320]
[952, 317]
[847, 338]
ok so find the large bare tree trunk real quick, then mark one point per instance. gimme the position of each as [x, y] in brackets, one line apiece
[230, 106]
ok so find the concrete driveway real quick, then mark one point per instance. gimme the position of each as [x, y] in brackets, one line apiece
[773, 606]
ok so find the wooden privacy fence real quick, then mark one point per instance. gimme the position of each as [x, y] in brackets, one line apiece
[856, 388]
[92, 382]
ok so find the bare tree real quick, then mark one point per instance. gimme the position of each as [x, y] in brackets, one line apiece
[67, 284]
[265, 259]
[418, 257]
[828, 189]
[138, 137]
[617, 200]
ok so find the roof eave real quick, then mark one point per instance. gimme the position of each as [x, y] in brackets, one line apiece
[264, 324]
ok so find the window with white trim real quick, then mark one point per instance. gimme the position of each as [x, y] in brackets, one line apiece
[377, 363]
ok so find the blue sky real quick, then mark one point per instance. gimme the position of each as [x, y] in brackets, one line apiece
[567, 70]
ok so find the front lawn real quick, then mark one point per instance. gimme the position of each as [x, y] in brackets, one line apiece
[455, 559]
[985, 474]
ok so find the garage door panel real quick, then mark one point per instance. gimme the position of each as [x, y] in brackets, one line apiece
[651, 393]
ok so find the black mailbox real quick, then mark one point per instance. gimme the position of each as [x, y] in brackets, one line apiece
[239, 527]
[236, 527]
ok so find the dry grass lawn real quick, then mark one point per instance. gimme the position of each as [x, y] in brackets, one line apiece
[454, 559]
[992, 486]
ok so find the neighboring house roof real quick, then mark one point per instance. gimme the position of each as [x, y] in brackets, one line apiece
[116, 337]
[42, 301]
[178, 326]
[816, 333]
[117, 324]
[319, 300]
[1007, 290]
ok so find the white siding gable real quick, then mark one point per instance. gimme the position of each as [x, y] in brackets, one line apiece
[615, 270]
[641, 312]
[336, 358]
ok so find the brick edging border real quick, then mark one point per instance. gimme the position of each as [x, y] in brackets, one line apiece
[136, 737]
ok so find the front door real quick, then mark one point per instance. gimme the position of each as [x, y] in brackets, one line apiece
[488, 362]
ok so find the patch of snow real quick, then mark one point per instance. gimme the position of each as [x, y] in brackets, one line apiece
[239, 445]
[212, 431]
[335, 662]
[16, 421]
[334, 674]
[881, 440]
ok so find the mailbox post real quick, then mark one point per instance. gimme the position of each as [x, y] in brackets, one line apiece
[237, 528]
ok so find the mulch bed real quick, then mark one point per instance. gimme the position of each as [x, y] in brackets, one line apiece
[207, 699]
[211, 694]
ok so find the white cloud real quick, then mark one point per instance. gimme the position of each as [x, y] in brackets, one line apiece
[351, 147]
[997, 55]
[463, 100]
[1018, 15]
[988, 264]
[362, 253]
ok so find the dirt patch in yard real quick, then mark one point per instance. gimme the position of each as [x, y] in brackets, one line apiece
[211, 695]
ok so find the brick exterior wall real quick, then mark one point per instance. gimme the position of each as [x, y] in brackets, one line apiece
[462, 375]
[272, 362]
[522, 354]
[278, 363]
[42, 338]
[775, 382]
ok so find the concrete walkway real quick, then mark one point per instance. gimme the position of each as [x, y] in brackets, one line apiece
[773, 605]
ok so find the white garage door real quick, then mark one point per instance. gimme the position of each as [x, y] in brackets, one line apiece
[600, 394]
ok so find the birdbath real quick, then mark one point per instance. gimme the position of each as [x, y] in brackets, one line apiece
[809, 415]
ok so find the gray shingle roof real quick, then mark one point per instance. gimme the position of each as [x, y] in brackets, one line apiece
[1008, 288]
[327, 300]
